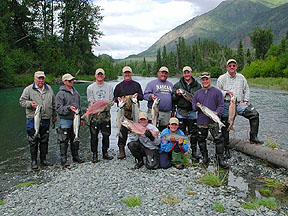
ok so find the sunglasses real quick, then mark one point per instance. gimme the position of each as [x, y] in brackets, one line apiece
[232, 66]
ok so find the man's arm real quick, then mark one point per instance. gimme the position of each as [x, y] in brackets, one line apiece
[60, 107]
[246, 91]
[25, 100]
[220, 85]
[148, 92]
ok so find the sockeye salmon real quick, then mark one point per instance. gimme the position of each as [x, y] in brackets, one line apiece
[212, 115]
[76, 125]
[135, 109]
[136, 127]
[98, 107]
[232, 113]
[120, 116]
[187, 95]
[155, 111]
[177, 136]
[37, 120]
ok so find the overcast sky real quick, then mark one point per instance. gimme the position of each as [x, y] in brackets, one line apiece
[132, 26]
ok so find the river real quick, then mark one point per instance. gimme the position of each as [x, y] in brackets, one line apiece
[14, 155]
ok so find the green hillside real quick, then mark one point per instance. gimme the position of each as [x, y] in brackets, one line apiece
[231, 21]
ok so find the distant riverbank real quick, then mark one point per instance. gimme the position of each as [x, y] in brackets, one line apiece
[269, 82]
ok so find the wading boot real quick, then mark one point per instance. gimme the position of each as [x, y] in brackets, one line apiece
[219, 155]
[95, 157]
[74, 150]
[33, 152]
[139, 163]
[254, 127]
[106, 156]
[194, 156]
[121, 152]
[76, 158]
[43, 161]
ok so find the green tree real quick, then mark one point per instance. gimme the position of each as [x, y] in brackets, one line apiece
[261, 40]
[248, 56]
[240, 56]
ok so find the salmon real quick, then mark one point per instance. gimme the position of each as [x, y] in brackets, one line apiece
[98, 107]
[135, 109]
[155, 111]
[134, 126]
[120, 116]
[187, 95]
[212, 115]
[37, 120]
[76, 125]
[232, 113]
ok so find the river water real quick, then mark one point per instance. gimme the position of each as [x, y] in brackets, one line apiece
[14, 155]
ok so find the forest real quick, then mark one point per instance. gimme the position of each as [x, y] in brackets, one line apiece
[59, 36]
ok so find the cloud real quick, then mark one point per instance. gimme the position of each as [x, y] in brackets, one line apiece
[131, 27]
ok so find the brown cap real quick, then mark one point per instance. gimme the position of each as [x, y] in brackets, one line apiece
[38, 74]
[187, 68]
[67, 77]
[204, 75]
[126, 69]
[231, 60]
[99, 70]
[174, 121]
[164, 69]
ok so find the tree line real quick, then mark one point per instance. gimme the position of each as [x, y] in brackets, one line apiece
[55, 36]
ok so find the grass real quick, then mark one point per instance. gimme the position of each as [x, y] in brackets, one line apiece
[2, 202]
[271, 143]
[25, 184]
[265, 192]
[186, 158]
[170, 199]
[219, 207]
[255, 204]
[213, 179]
[272, 183]
[132, 201]
[270, 82]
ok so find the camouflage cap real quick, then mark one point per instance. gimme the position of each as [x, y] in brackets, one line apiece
[204, 75]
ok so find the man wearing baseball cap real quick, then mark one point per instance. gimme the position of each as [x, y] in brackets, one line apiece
[184, 111]
[146, 145]
[234, 84]
[123, 92]
[211, 98]
[38, 94]
[100, 90]
[67, 105]
[162, 89]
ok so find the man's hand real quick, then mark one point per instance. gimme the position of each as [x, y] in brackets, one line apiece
[153, 96]
[180, 140]
[135, 95]
[229, 93]
[172, 139]
[178, 92]
[198, 104]
[243, 104]
[149, 135]
[73, 109]
[33, 104]
[82, 122]
[54, 119]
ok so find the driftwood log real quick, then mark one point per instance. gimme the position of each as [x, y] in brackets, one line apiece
[278, 157]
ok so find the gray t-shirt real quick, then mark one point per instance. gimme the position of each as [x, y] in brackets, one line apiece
[99, 92]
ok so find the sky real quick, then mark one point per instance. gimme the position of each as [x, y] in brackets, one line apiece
[132, 26]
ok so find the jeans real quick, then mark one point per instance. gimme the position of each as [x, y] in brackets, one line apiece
[239, 109]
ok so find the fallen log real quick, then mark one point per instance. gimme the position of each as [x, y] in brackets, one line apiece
[278, 157]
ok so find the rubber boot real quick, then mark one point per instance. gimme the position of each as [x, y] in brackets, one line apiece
[254, 127]
[225, 133]
[43, 160]
[105, 146]
[74, 150]
[63, 154]
[43, 153]
[194, 156]
[204, 152]
[95, 157]
[106, 156]
[219, 155]
[122, 154]
[33, 152]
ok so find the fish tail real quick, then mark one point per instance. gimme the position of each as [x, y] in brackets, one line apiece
[85, 116]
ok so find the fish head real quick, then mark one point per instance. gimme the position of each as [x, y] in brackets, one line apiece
[181, 91]
[134, 100]
[121, 104]
[125, 122]
[157, 100]
[77, 111]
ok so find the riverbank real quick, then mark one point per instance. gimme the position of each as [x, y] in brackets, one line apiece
[101, 188]
[269, 82]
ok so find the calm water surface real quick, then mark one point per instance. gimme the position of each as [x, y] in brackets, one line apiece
[14, 155]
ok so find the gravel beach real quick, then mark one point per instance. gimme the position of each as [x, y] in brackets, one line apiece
[99, 189]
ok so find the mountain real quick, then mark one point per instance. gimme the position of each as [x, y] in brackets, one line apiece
[229, 22]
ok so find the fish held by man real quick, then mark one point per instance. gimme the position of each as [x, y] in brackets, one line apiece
[155, 111]
[212, 115]
[187, 95]
[98, 107]
[37, 120]
[232, 113]
[135, 109]
[120, 116]
[176, 136]
[136, 127]
[76, 125]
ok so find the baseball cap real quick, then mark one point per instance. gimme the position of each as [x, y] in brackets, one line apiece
[174, 121]
[67, 77]
[99, 70]
[231, 60]
[165, 69]
[126, 69]
[143, 115]
[187, 68]
[204, 74]
[38, 74]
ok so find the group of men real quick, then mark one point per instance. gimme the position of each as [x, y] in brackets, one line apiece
[192, 121]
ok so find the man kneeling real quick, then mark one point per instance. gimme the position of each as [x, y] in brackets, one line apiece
[146, 145]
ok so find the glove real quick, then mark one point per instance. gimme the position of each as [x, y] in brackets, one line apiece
[149, 135]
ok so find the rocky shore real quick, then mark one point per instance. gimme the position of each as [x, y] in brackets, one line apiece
[99, 189]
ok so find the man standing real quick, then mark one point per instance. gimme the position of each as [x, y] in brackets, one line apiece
[67, 104]
[234, 84]
[100, 90]
[38, 94]
[211, 98]
[185, 114]
[124, 91]
[145, 145]
[162, 89]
